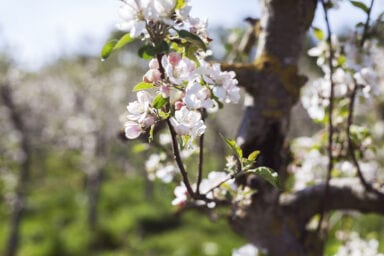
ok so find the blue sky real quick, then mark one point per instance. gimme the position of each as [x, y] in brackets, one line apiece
[37, 31]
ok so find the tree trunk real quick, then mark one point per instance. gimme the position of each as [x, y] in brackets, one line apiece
[272, 84]
[18, 205]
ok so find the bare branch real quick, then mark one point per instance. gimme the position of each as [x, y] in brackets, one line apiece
[343, 194]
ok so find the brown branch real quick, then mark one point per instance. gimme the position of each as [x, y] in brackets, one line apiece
[343, 194]
[200, 164]
[179, 161]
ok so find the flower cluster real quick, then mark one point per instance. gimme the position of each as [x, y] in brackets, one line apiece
[246, 250]
[179, 88]
[184, 86]
[354, 245]
[186, 90]
[149, 17]
[218, 186]
[353, 68]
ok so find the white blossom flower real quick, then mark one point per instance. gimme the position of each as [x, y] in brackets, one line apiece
[164, 8]
[179, 72]
[354, 245]
[188, 122]
[152, 76]
[367, 78]
[134, 13]
[181, 195]
[246, 250]
[138, 110]
[139, 116]
[166, 173]
[132, 130]
[224, 84]
[199, 27]
[197, 96]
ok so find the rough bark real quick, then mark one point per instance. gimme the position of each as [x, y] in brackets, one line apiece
[18, 206]
[276, 222]
[272, 84]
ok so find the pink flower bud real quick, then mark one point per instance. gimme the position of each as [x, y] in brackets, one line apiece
[179, 105]
[154, 64]
[152, 76]
[148, 121]
[174, 58]
[164, 91]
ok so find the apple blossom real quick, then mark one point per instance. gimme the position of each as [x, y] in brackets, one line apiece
[152, 76]
[134, 13]
[181, 195]
[246, 250]
[197, 96]
[188, 122]
[132, 130]
[180, 73]
[139, 109]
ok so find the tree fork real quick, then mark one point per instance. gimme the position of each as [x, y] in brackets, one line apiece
[272, 85]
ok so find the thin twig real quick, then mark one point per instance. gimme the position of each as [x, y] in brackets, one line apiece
[351, 146]
[366, 25]
[177, 157]
[330, 118]
[201, 159]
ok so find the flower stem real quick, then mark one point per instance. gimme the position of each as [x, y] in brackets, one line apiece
[179, 162]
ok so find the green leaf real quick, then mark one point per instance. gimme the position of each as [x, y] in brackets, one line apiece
[139, 148]
[254, 155]
[158, 102]
[192, 38]
[179, 4]
[142, 86]
[147, 52]
[235, 148]
[163, 114]
[318, 33]
[107, 49]
[341, 60]
[161, 47]
[125, 39]
[114, 44]
[268, 174]
[360, 5]
[190, 51]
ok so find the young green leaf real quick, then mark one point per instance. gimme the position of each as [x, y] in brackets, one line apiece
[179, 4]
[318, 33]
[192, 38]
[142, 86]
[268, 174]
[108, 48]
[360, 5]
[254, 155]
[190, 51]
[158, 102]
[163, 114]
[125, 39]
[235, 148]
[141, 147]
[150, 137]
